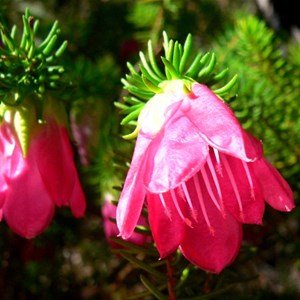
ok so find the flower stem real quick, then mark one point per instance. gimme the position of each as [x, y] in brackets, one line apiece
[171, 278]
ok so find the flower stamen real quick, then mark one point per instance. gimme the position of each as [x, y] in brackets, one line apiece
[233, 184]
[202, 205]
[209, 189]
[218, 165]
[187, 221]
[246, 168]
[215, 178]
[167, 211]
[189, 201]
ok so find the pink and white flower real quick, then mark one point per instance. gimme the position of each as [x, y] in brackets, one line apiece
[201, 176]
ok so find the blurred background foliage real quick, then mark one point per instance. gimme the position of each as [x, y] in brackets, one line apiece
[260, 43]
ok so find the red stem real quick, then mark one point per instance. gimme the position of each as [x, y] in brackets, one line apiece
[171, 278]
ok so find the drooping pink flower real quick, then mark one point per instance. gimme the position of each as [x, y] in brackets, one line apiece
[200, 175]
[108, 211]
[32, 185]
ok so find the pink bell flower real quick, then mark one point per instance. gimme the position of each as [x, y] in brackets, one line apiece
[32, 185]
[200, 175]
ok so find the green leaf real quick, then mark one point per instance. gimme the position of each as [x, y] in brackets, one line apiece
[61, 49]
[130, 109]
[133, 248]
[173, 74]
[132, 100]
[176, 57]
[47, 50]
[152, 87]
[169, 53]
[52, 32]
[26, 40]
[121, 105]
[144, 95]
[13, 33]
[132, 116]
[148, 68]
[221, 75]
[144, 266]
[196, 65]
[148, 76]
[152, 288]
[153, 62]
[132, 69]
[31, 51]
[207, 70]
[227, 87]
[8, 41]
[136, 81]
[165, 42]
[186, 53]
[36, 26]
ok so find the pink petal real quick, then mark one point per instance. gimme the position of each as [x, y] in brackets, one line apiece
[159, 109]
[3, 189]
[218, 125]
[108, 211]
[242, 194]
[175, 155]
[54, 157]
[10, 152]
[213, 247]
[133, 193]
[166, 226]
[77, 200]
[28, 208]
[11, 159]
[3, 183]
[111, 229]
[2, 199]
[276, 190]
[7, 140]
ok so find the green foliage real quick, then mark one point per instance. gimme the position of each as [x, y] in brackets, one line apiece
[203, 18]
[150, 17]
[294, 55]
[27, 66]
[269, 90]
